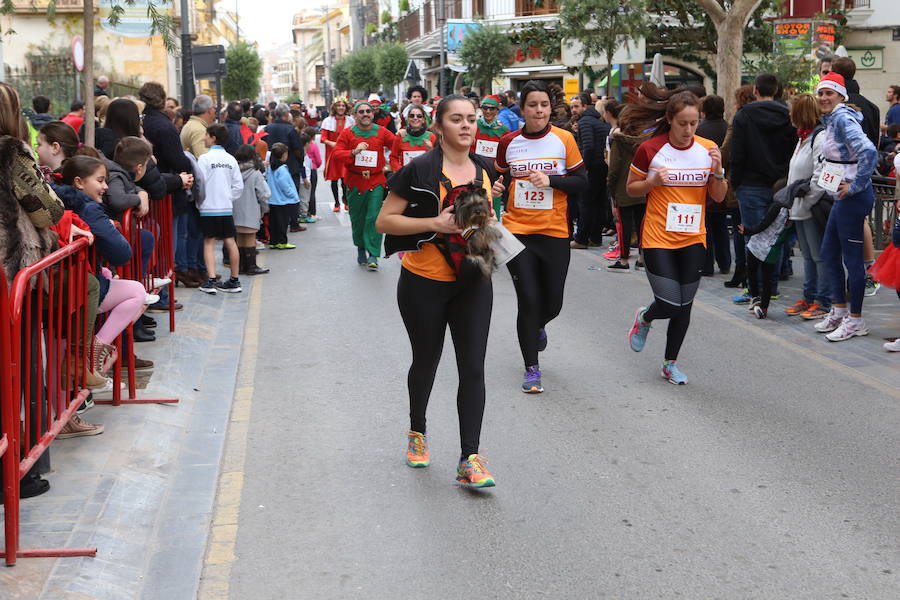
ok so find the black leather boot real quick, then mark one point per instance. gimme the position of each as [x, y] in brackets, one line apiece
[252, 268]
[738, 280]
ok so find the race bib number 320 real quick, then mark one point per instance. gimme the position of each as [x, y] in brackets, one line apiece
[366, 158]
[684, 218]
[529, 196]
[486, 148]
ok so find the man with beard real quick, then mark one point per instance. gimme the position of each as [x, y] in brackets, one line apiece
[361, 148]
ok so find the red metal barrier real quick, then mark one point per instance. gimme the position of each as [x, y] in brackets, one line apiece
[131, 226]
[43, 356]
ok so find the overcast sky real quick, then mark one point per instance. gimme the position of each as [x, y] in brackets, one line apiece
[268, 22]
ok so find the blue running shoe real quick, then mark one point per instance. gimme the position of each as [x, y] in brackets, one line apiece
[744, 298]
[361, 256]
[671, 373]
[542, 340]
[532, 382]
[637, 337]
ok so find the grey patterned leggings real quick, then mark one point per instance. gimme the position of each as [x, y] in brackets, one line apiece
[674, 276]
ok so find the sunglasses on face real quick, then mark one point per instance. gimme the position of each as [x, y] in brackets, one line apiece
[416, 116]
[364, 112]
[488, 108]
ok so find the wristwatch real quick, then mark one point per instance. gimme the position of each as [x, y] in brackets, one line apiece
[719, 176]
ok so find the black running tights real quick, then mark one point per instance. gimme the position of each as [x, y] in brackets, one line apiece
[674, 276]
[427, 308]
[335, 185]
[539, 275]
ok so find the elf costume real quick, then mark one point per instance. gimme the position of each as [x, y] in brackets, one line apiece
[409, 146]
[364, 178]
[487, 140]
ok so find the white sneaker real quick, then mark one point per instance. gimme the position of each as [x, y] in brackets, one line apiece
[151, 299]
[829, 323]
[160, 282]
[871, 286]
[893, 346]
[848, 328]
[754, 303]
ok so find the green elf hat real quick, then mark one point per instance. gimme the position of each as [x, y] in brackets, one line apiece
[491, 101]
[360, 103]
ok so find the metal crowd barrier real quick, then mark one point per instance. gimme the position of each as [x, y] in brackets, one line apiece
[40, 388]
[885, 197]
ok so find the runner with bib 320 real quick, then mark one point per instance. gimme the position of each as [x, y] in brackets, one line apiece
[675, 169]
[544, 166]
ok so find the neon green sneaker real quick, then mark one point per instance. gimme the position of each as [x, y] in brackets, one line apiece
[417, 450]
[472, 472]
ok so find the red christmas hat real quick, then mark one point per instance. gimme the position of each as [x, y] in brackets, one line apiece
[833, 81]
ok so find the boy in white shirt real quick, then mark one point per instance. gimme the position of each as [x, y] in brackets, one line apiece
[223, 185]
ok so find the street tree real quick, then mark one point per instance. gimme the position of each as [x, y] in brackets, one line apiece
[730, 18]
[602, 26]
[340, 77]
[361, 69]
[390, 64]
[244, 70]
[485, 52]
[161, 23]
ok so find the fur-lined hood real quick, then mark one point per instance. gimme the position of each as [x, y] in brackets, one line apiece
[27, 208]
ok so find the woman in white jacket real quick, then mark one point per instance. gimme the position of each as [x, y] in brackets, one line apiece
[806, 164]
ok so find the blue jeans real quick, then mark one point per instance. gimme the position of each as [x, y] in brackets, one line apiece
[815, 275]
[842, 246]
[188, 241]
[180, 228]
[754, 202]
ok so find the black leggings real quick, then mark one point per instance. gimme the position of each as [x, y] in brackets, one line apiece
[334, 192]
[674, 277]
[539, 275]
[758, 270]
[631, 217]
[313, 181]
[427, 308]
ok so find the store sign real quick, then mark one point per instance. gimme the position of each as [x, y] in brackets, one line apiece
[570, 87]
[134, 20]
[804, 37]
[867, 58]
[456, 33]
[627, 52]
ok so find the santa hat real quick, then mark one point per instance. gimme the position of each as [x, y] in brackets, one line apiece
[491, 101]
[833, 81]
[374, 100]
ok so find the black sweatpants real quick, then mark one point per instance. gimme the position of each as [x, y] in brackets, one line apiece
[427, 308]
[539, 275]
[674, 276]
[280, 218]
[632, 217]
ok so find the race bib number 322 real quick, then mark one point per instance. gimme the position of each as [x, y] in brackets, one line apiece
[529, 196]
[684, 218]
[366, 158]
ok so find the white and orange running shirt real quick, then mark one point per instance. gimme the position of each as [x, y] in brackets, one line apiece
[676, 210]
[553, 152]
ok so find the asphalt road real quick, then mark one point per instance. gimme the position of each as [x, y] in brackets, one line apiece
[773, 474]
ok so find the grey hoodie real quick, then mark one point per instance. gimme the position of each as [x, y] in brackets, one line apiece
[122, 193]
[253, 203]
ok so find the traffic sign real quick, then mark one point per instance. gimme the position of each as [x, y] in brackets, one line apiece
[78, 53]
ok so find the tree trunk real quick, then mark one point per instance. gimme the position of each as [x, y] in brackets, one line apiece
[88, 72]
[730, 44]
[609, 71]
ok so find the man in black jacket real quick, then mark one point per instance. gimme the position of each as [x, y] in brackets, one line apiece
[281, 130]
[593, 203]
[233, 114]
[871, 115]
[762, 143]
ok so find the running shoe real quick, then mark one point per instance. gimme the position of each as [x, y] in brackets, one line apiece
[815, 311]
[639, 264]
[775, 296]
[336, 209]
[287, 247]
[637, 336]
[893, 346]
[742, 298]
[417, 450]
[671, 373]
[532, 381]
[372, 263]
[871, 286]
[831, 322]
[307, 219]
[799, 307]
[208, 286]
[159, 282]
[542, 340]
[612, 254]
[760, 312]
[619, 267]
[346, 207]
[754, 302]
[847, 329]
[361, 257]
[472, 472]
[150, 299]
[232, 286]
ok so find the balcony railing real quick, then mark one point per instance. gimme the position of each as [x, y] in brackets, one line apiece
[529, 8]
[408, 27]
[851, 4]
